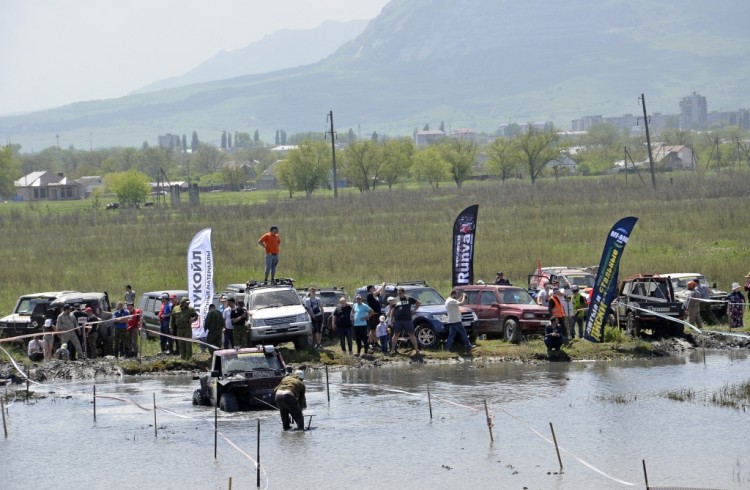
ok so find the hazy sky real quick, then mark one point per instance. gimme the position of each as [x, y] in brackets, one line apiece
[54, 52]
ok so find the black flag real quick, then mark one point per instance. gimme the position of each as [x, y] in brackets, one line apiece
[463, 246]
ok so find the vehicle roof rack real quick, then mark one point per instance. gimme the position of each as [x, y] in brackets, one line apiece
[281, 281]
[412, 283]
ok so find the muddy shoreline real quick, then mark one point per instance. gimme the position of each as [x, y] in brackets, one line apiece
[165, 365]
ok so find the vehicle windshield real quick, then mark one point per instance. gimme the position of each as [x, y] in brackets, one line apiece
[273, 299]
[426, 296]
[517, 296]
[27, 305]
[681, 283]
[581, 280]
[247, 361]
[330, 298]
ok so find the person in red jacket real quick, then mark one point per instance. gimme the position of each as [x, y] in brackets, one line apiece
[134, 327]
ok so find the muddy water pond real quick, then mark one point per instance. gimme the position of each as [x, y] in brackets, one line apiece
[376, 432]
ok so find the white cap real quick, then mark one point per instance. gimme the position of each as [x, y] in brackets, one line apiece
[300, 374]
[47, 322]
[382, 318]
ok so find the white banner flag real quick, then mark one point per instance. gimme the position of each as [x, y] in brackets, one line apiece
[200, 273]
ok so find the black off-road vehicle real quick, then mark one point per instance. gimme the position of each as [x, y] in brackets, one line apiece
[241, 379]
[647, 302]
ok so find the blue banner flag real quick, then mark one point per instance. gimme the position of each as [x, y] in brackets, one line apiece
[605, 286]
[463, 246]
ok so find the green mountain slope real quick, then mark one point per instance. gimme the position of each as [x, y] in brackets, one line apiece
[474, 63]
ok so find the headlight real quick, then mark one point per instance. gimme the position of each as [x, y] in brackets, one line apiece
[302, 317]
[259, 323]
[441, 318]
[474, 317]
[529, 315]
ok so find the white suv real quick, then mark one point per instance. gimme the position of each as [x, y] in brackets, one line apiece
[276, 314]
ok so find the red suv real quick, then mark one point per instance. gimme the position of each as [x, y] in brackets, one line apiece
[505, 311]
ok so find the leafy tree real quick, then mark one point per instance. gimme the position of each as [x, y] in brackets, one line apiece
[256, 137]
[9, 171]
[229, 140]
[512, 130]
[426, 127]
[502, 158]
[131, 187]
[184, 143]
[351, 137]
[298, 138]
[311, 163]
[429, 166]
[605, 136]
[286, 177]
[224, 140]
[233, 176]
[195, 142]
[537, 147]
[362, 162]
[282, 137]
[277, 138]
[398, 155]
[208, 158]
[374, 137]
[460, 155]
[442, 126]
[243, 140]
[676, 136]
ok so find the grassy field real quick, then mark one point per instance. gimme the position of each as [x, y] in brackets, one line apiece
[692, 222]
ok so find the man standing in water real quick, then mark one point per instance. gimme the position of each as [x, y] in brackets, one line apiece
[270, 243]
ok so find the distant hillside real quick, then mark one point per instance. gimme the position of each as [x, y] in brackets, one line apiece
[274, 52]
[475, 63]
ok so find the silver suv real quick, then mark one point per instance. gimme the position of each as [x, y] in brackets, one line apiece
[276, 314]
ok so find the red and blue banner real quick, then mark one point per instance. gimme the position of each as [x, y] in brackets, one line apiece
[463, 246]
[605, 286]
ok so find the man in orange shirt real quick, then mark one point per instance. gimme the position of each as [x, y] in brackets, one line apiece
[270, 242]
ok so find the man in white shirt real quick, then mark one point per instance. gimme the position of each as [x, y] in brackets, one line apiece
[36, 349]
[453, 308]
[228, 325]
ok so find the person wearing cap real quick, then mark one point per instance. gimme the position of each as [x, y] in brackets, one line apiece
[557, 310]
[579, 305]
[239, 321]
[341, 323]
[542, 299]
[222, 303]
[381, 330]
[500, 280]
[80, 317]
[271, 243]
[62, 353]
[129, 295]
[66, 324]
[36, 349]
[290, 399]
[735, 306]
[92, 329]
[182, 321]
[49, 339]
[213, 324]
[165, 312]
[554, 337]
[401, 313]
[135, 322]
[120, 318]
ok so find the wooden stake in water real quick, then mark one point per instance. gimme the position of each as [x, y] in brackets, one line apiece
[2, 409]
[559, 459]
[27, 383]
[155, 433]
[328, 391]
[489, 421]
[94, 403]
[645, 475]
[309, 422]
[216, 427]
[429, 399]
[257, 456]
[230, 483]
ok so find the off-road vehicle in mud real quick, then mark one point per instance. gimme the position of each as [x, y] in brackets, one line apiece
[29, 314]
[276, 314]
[680, 281]
[505, 311]
[241, 379]
[430, 319]
[640, 298]
[100, 306]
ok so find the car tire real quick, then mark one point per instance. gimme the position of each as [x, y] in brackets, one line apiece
[512, 331]
[302, 342]
[632, 325]
[228, 402]
[426, 336]
[198, 398]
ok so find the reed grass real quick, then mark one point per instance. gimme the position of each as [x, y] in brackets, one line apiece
[692, 222]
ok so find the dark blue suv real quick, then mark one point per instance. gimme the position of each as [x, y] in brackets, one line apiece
[430, 319]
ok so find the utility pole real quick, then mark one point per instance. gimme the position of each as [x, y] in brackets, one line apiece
[333, 153]
[648, 142]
